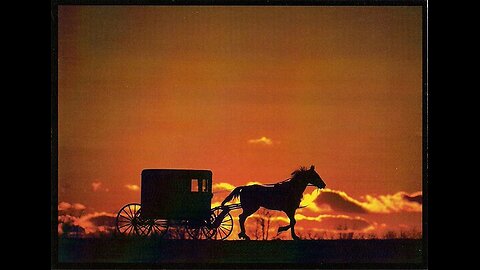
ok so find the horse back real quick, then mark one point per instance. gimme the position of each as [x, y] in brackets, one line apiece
[271, 197]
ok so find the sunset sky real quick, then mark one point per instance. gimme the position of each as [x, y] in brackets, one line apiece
[251, 93]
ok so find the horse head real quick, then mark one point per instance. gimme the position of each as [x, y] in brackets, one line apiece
[313, 178]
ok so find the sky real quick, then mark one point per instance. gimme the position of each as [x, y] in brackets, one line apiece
[251, 93]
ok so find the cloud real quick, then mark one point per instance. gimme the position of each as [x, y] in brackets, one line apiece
[339, 222]
[91, 224]
[263, 140]
[222, 187]
[97, 222]
[71, 208]
[398, 202]
[96, 185]
[340, 201]
[67, 226]
[132, 187]
[253, 183]
[330, 222]
[392, 203]
[64, 206]
[78, 206]
[415, 197]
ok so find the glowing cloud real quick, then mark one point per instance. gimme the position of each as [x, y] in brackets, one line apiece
[132, 187]
[64, 206]
[339, 222]
[340, 201]
[398, 202]
[89, 224]
[253, 183]
[263, 140]
[222, 187]
[78, 206]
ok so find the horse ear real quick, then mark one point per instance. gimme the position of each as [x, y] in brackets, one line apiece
[312, 168]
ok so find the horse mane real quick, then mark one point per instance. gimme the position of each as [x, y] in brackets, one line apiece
[298, 172]
[294, 175]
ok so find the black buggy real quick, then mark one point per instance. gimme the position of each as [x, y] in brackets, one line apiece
[176, 198]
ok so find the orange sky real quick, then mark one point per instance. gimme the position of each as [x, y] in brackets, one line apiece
[198, 87]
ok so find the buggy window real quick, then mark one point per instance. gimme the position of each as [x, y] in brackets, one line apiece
[204, 185]
[199, 185]
[195, 185]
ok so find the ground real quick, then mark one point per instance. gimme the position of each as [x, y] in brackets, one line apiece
[154, 253]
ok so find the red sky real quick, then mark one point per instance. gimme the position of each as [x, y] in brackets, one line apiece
[251, 93]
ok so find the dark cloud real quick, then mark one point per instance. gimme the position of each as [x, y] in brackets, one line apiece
[103, 220]
[339, 202]
[413, 198]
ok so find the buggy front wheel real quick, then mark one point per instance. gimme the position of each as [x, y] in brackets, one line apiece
[158, 227]
[222, 221]
[198, 230]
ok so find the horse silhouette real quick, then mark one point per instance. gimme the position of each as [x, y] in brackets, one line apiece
[283, 196]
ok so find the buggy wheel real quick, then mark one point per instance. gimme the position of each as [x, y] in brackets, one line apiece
[198, 230]
[158, 227]
[129, 222]
[225, 226]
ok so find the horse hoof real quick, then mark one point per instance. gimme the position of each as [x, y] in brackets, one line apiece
[296, 238]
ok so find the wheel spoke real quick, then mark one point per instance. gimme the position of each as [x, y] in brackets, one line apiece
[127, 211]
[124, 225]
[158, 227]
[221, 230]
[132, 214]
[225, 227]
[127, 214]
[125, 219]
[126, 229]
[128, 221]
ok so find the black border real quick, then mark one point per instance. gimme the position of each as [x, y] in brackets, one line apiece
[246, 2]
[426, 109]
[54, 135]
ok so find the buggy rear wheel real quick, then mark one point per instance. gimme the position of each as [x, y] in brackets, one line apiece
[129, 221]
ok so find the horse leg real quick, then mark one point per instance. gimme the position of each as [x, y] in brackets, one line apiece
[291, 216]
[242, 218]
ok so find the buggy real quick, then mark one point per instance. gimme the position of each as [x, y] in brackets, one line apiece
[176, 198]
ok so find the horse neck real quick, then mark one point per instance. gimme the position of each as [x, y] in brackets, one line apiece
[297, 186]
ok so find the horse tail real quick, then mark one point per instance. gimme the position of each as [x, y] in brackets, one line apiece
[234, 194]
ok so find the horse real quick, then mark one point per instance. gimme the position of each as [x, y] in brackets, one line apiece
[283, 196]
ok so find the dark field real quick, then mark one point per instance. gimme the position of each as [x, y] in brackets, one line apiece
[151, 253]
